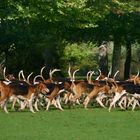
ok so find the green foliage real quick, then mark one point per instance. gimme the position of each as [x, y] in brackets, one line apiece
[118, 19]
[80, 55]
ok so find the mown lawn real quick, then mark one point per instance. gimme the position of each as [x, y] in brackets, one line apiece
[71, 124]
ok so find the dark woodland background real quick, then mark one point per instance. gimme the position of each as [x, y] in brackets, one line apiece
[58, 32]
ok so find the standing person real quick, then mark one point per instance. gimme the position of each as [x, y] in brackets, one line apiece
[103, 58]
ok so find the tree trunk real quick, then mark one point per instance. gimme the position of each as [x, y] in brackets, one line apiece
[103, 59]
[127, 61]
[116, 56]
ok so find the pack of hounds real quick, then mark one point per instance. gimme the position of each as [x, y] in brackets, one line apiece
[40, 93]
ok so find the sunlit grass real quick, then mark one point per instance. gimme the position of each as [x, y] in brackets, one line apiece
[71, 124]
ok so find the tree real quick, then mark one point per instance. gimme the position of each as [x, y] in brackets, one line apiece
[119, 19]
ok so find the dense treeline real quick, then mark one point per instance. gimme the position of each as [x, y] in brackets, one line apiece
[57, 32]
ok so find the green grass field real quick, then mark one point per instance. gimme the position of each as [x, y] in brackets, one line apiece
[71, 124]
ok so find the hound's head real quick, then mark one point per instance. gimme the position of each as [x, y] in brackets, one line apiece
[42, 88]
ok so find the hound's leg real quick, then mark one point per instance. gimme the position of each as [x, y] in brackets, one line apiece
[48, 105]
[58, 103]
[120, 103]
[138, 103]
[134, 104]
[36, 105]
[115, 99]
[107, 102]
[99, 100]
[30, 103]
[86, 102]
[77, 101]
[65, 99]
[130, 101]
[2, 103]
[5, 106]
[14, 102]
[23, 105]
[125, 102]
[54, 103]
